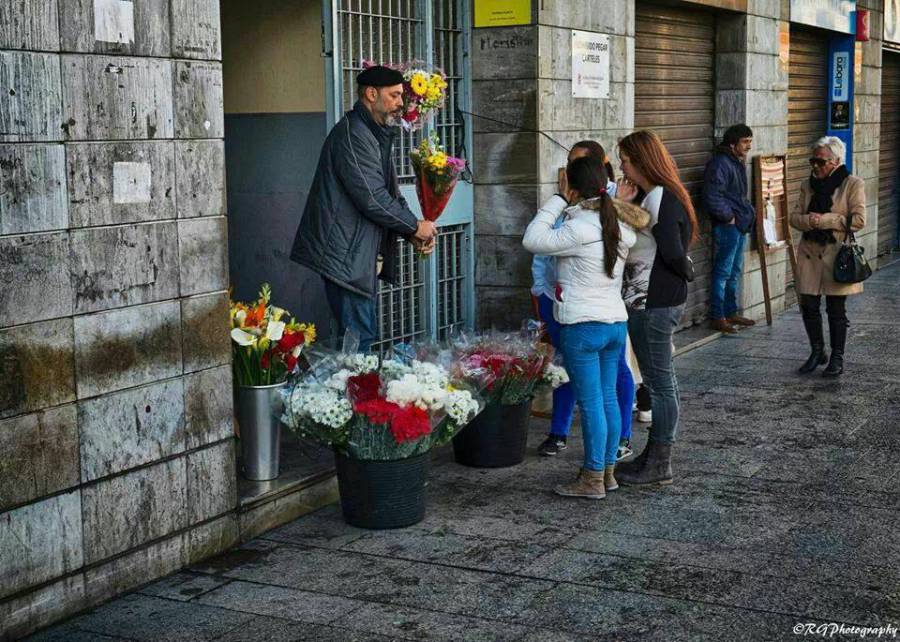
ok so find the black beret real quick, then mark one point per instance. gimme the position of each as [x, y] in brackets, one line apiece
[379, 76]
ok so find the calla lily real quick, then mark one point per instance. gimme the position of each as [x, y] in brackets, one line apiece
[240, 316]
[274, 330]
[242, 338]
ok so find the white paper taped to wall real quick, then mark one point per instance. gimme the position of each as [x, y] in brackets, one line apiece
[114, 21]
[131, 183]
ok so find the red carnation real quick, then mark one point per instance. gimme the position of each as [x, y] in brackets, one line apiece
[364, 387]
[290, 341]
[377, 411]
[411, 116]
[410, 423]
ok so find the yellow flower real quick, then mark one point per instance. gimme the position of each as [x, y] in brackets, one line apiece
[438, 160]
[433, 94]
[438, 81]
[418, 83]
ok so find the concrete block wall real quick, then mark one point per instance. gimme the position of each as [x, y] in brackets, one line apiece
[867, 121]
[115, 396]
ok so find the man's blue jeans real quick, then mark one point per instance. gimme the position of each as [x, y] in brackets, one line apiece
[353, 312]
[651, 337]
[728, 266]
[564, 398]
[591, 354]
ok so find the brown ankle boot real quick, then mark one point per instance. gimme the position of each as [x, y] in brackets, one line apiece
[609, 479]
[588, 484]
[739, 320]
[721, 325]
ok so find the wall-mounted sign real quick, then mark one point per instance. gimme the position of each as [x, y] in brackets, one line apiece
[892, 21]
[841, 51]
[502, 13]
[835, 15]
[590, 65]
[840, 76]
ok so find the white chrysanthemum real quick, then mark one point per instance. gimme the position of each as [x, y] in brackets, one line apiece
[393, 369]
[324, 406]
[361, 363]
[461, 406]
[555, 375]
[338, 381]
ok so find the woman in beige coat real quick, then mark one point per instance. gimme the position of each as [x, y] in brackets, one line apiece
[826, 199]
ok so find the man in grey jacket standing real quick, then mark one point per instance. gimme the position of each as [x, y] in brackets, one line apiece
[355, 211]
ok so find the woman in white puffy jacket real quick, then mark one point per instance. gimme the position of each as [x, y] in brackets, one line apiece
[590, 246]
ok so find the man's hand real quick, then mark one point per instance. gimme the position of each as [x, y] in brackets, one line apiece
[425, 247]
[425, 231]
[814, 219]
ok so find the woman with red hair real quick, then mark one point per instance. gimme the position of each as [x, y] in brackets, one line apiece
[657, 272]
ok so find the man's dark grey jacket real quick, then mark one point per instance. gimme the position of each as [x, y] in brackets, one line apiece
[354, 210]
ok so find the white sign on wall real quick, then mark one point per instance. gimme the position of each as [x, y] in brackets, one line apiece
[590, 65]
[114, 21]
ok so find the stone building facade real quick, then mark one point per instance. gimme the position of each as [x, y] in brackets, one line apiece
[521, 75]
[116, 443]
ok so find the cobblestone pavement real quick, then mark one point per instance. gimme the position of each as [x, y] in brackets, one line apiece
[784, 511]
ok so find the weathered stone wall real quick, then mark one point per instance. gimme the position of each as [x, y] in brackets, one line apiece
[115, 407]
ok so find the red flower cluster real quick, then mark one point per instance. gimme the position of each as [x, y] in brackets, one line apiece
[364, 387]
[406, 423]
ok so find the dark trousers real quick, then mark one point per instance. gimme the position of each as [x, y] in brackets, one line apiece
[353, 312]
[835, 308]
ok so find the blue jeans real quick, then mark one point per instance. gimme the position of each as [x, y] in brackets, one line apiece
[728, 266]
[564, 398]
[591, 353]
[651, 337]
[353, 312]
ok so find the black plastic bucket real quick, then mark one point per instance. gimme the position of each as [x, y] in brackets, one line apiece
[495, 438]
[382, 494]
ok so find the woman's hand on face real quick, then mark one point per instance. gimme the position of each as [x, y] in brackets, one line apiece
[626, 190]
[563, 183]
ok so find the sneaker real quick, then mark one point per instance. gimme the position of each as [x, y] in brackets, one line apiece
[624, 450]
[552, 445]
[645, 416]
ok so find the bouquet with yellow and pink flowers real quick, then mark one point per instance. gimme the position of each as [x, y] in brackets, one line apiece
[424, 91]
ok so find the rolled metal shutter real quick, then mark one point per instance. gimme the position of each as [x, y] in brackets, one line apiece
[807, 104]
[674, 96]
[888, 165]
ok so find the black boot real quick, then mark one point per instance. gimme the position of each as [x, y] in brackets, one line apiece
[657, 467]
[634, 465]
[837, 329]
[817, 342]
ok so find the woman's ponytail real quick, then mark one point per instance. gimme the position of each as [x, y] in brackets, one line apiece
[588, 177]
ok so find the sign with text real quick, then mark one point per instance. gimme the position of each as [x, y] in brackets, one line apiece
[892, 21]
[835, 15]
[590, 65]
[502, 13]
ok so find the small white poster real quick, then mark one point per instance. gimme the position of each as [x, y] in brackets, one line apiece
[131, 183]
[590, 65]
[114, 21]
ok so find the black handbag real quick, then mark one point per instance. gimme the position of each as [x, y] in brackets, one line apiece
[850, 265]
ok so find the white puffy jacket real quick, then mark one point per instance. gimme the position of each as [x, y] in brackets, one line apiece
[584, 292]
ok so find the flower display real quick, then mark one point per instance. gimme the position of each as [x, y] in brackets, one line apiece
[264, 346]
[511, 366]
[436, 176]
[424, 92]
[379, 410]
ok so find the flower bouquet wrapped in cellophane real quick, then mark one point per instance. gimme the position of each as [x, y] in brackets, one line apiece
[378, 409]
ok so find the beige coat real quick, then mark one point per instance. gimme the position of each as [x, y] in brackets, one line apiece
[815, 264]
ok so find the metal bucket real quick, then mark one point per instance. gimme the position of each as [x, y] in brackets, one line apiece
[259, 411]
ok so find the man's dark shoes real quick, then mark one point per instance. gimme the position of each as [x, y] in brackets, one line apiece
[552, 445]
[721, 325]
[739, 320]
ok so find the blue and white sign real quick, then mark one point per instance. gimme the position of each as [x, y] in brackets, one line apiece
[836, 15]
[841, 72]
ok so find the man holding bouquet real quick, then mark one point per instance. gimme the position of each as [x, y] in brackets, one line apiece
[355, 211]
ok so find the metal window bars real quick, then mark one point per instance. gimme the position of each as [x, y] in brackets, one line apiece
[451, 254]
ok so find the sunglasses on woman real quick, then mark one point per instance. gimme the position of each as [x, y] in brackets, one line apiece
[819, 162]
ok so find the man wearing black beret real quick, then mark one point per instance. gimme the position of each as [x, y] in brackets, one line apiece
[355, 211]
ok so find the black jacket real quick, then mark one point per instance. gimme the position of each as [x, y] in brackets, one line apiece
[354, 210]
[669, 276]
[725, 191]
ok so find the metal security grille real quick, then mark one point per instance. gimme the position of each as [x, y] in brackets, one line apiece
[452, 251]
[381, 31]
[675, 97]
[401, 312]
[448, 52]
[889, 155]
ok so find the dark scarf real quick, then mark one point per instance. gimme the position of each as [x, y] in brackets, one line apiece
[821, 202]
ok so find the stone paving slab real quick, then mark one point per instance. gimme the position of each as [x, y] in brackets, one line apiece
[786, 509]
